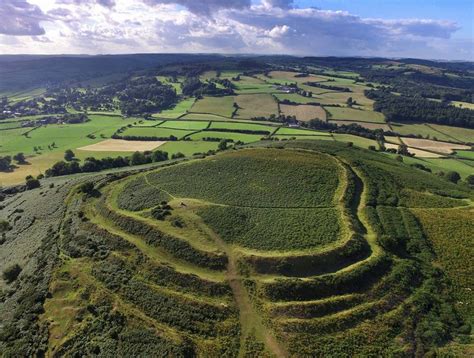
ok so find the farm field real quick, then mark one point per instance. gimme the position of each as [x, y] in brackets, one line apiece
[242, 126]
[463, 104]
[155, 132]
[65, 136]
[252, 106]
[182, 124]
[435, 146]
[119, 145]
[463, 135]
[202, 117]
[251, 85]
[303, 112]
[299, 132]
[358, 141]
[245, 138]
[302, 137]
[188, 148]
[465, 154]
[355, 114]
[419, 153]
[441, 164]
[424, 130]
[294, 97]
[180, 109]
[221, 106]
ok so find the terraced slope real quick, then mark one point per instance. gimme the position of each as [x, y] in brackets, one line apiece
[305, 249]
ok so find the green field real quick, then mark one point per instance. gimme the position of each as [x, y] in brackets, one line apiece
[180, 109]
[245, 138]
[188, 148]
[220, 106]
[242, 126]
[299, 132]
[355, 114]
[465, 154]
[294, 97]
[356, 140]
[182, 124]
[252, 106]
[424, 130]
[156, 132]
[250, 85]
[66, 136]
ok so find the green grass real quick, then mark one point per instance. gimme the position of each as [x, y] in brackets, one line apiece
[465, 154]
[67, 136]
[246, 138]
[248, 85]
[221, 106]
[202, 117]
[358, 141]
[424, 130]
[155, 132]
[299, 132]
[256, 177]
[180, 109]
[251, 106]
[188, 148]
[465, 135]
[293, 97]
[355, 114]
[242, 126]
[276, 229]
[181, 124]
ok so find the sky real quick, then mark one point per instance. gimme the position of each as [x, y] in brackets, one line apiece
[432, 29]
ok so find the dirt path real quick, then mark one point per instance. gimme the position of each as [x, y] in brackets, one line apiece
[249, 318]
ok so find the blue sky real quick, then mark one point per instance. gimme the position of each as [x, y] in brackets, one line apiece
[433, 29]
[461, 11]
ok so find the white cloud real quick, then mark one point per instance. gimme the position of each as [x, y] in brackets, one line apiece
[271, 26]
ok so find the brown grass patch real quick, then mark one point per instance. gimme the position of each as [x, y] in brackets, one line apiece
[434, 146]
[120, 145]
[418, 152]
[303, 112]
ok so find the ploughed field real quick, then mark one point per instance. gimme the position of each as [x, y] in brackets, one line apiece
[302, 249]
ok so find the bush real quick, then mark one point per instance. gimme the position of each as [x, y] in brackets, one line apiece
[32, 183]
[453, 177]
[11, 273]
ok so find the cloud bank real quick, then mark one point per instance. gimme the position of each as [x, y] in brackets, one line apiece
[231, 26]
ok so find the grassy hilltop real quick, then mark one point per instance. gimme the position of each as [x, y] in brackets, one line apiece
[280, 249]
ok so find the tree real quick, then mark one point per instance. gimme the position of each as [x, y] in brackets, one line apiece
[87, 188]
[4, 226]
[453, 176]
[32, 183]
[159, 156]
[350, 102]
[470, 179]
[403, 150]
[69, 155]
[11, 273]
[177, 155]
[138, 158]
[5, 164]
[20, 158]
[222, 145]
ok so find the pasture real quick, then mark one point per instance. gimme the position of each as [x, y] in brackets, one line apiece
[245, 138]
[303, 112]
[155, 132]
[294, 97]
[299, 132]
[345, 113]
[182, 124]
[180, 109]
[259, 105]
[219, 106]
